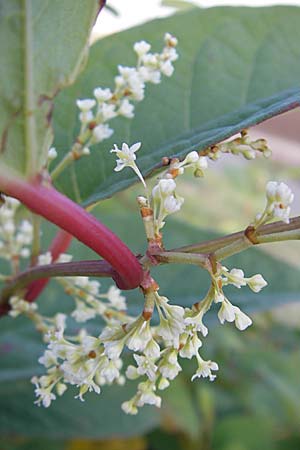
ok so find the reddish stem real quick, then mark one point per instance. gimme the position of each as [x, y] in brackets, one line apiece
[58, 246]
[63, 212]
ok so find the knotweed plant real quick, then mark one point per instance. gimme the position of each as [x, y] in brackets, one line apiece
[90, 362]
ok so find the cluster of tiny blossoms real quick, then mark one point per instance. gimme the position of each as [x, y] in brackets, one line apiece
[242, 145]
[90, 362]
[279, 200]
[16, 237]
[96, 113]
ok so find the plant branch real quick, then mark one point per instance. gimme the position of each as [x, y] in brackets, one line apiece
[199, 259]
[66, 214]
[260, 234]
[70, 269]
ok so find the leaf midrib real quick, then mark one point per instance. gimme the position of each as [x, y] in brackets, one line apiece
[29, 103]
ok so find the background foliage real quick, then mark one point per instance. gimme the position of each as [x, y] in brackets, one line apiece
[237, 66]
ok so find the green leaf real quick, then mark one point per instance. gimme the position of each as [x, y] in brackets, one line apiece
[42, 46]
[237, 67]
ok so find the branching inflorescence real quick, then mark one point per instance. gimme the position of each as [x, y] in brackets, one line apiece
[90, 362]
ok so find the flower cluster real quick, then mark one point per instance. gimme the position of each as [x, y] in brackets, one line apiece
[279, 200]
[91, 362]
[235, 277]
[89, 301]
[157, 346]
[15, 237]
[242, 145]
[163, 200]
[95, 113]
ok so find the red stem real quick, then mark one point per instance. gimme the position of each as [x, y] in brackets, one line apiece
[58, 246]
[63, 212]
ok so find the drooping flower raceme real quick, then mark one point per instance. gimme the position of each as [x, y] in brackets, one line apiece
[95, 113]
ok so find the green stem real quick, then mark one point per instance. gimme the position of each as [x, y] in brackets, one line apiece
[224, 241]
[62, 165]
[198, 259]
[280, 236]
[232, 249]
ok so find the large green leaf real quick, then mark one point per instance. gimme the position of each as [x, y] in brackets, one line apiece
[42, 46]
[237, 67]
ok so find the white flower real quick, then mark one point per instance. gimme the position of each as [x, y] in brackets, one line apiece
[191, 347]
[86, 116]
[126, 155]
[61, 388]
[172, 325]
[236, 277]
[52, 153]
[43, 387]
[44, 259]
[163, 384]
[226, 312]
[81, 282]
[127, 158]
[101, 132]
[170, 40]
[83, 313]
[139, 335]
[242, 321]
[116, 299]
[113, 349]
[86, 105]
[205, 369]
[129, 407]
[195, 320]
[141, 48]
[126, 109]
[152, 349]
[191, 158]
[202, 163]
[167, 68]
[146, 366]
[231, 313]
[132, 373]
[170, 367]
[110, 372]
[130, 79]
[64, 257]
[256, 283]
[108, 111]
[163, 188]
[146, 394]
[48, 359]
[172, 204]
[279, 197]
[102, 95]
[20, 306]
[149, 75]
[85, 151]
